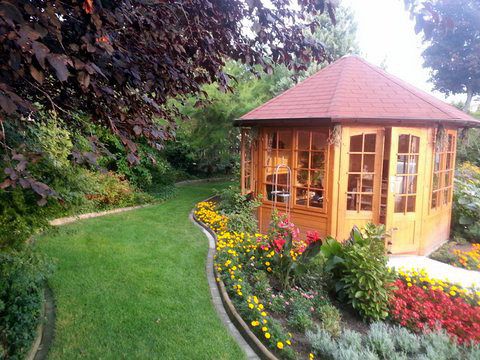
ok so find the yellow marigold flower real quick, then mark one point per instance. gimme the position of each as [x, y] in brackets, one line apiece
[251, 306]
[265, 320]
[453, 293]
[311, 356]
[264, 328]
[255, 323]
[269, 269]
[255, 299]
[409, 284]
[260, 306]
[267, 335]
[263, 313]
[288, 342]
[280, 345]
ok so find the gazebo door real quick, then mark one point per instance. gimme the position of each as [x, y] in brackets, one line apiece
[405, 188]
[361, 168]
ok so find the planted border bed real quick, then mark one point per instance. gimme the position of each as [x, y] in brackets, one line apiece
[298, 318]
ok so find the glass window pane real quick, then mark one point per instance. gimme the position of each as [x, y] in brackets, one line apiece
[411, 203]
[283, 157]
[412, 184]
[414, 144]
[352, 201]
[319, 141]
[402, 164]
[302, 160]
[435, 183]
[367, 183]
[366, 202]
[318, 160]
[370, 142]
[368, 163]
[413, 164]
[445, 196]
[302, 196]
[434, 199]
[450, 142]
[355, 163]
[284, 140]
[400, 204]
[403, 142]
[316, 198]
[302, 178]
[282, 176]
[272, 140]
[356, 143]
[269, 171]
[400, 185]
[446, 180]
[436, 166]
[303, 140]
[353, 183]
[316, 179]
[449, 162]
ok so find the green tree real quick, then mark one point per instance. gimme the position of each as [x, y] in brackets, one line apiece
[452, 32]
[208, 143]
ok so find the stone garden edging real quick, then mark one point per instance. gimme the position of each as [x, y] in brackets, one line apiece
[248, 340]
[45, 328]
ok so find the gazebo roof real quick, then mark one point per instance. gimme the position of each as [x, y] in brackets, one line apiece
[351, 89]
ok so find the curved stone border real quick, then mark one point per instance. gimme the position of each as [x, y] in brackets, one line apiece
[248, 340]
[46, 328]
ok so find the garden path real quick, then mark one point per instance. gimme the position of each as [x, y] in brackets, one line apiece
[436, 269]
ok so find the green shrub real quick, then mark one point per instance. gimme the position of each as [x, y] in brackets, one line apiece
[261, 285]
[330, 318]
[466, 202]
[387, 342]
[277, 304]
[22, 276]
[240, 210]
[360, 272]
[380, 341]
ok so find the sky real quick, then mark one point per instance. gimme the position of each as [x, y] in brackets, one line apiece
[386, 36]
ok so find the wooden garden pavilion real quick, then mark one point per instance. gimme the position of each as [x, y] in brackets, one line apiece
[353, 144]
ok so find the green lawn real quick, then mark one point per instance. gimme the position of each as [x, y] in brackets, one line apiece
[133, 286]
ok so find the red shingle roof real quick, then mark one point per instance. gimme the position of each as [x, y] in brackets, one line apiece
[353, 89]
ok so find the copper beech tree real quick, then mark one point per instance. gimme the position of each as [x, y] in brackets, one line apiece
[121, 60]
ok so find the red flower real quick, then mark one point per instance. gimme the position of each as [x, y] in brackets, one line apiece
[278, 244]
[312, 236]
[421, 310]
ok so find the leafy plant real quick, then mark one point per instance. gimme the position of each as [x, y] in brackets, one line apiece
[22, 275]
[360, 273]
[240, 210]
[290, 255]
[330, 317]
[466, 202]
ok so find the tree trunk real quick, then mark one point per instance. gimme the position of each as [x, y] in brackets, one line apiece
[466, 107]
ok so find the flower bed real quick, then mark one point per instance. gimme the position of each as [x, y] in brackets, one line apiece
[421, 303]
[469, 260]
[281, 286]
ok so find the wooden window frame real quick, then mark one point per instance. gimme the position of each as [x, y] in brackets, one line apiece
[246, 150]
[293, 166]
[444, 191]
[406, 176]
[296, 169]
[362, 174]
